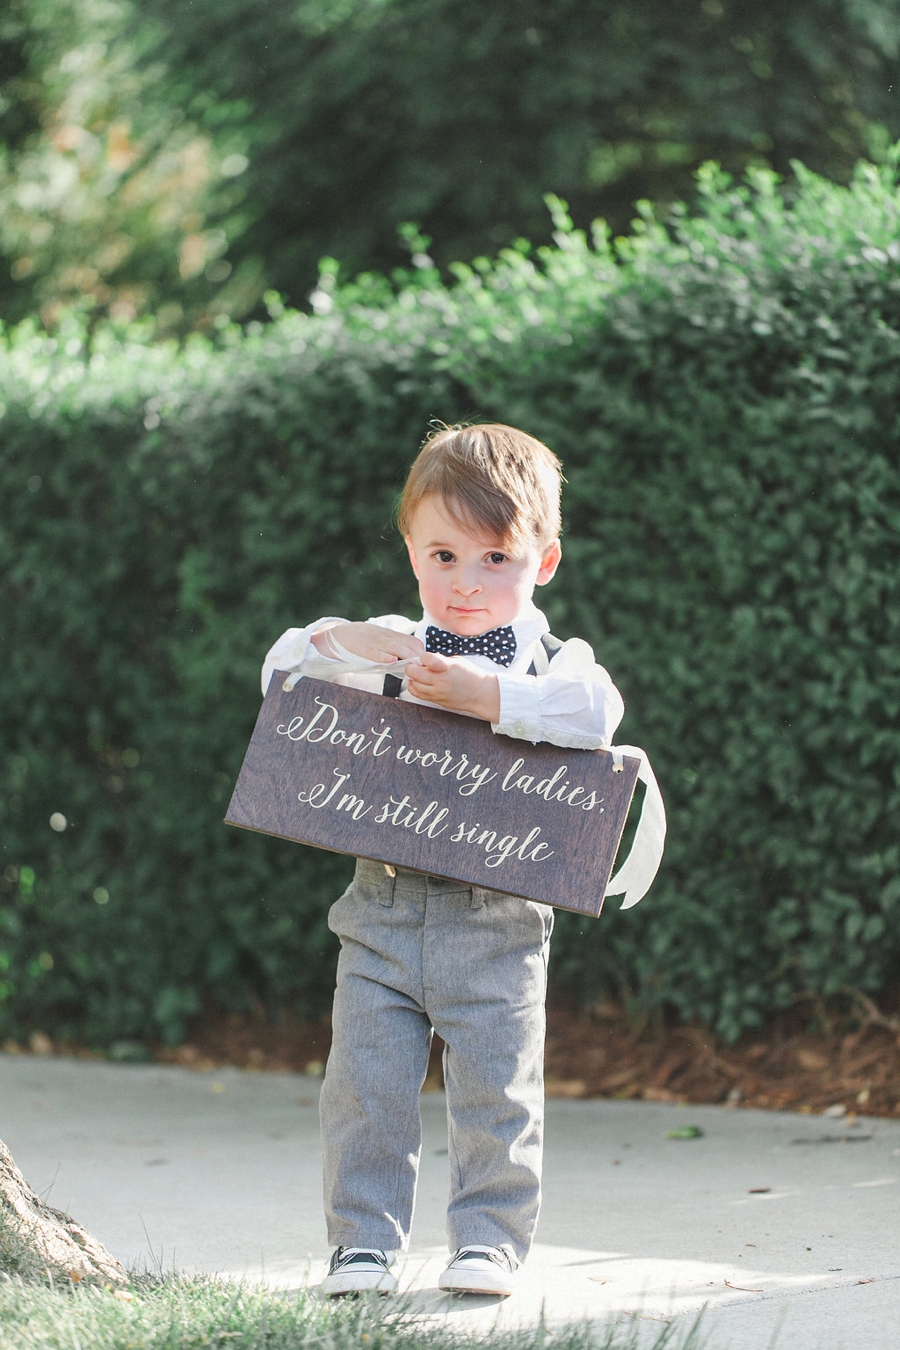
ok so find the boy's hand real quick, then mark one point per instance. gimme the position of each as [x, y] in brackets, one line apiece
[369, 640]
[453, 682]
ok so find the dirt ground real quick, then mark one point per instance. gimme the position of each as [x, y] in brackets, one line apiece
[843, 1071]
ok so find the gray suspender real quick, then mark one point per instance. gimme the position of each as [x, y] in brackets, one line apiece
[544, 654]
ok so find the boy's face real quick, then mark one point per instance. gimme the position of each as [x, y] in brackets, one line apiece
[469, 582]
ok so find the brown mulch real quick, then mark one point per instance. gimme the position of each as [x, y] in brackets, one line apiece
[852, 1068]
[603, 1056]
[787, 1069]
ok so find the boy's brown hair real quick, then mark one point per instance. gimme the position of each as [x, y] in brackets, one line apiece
[491, 477]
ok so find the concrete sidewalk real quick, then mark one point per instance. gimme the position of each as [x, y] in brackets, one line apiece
[772, 1223]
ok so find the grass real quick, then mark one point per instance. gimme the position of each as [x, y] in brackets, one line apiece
[183, 1313]
[43, 1311]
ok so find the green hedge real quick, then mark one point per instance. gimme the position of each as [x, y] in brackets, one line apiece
[724, 394]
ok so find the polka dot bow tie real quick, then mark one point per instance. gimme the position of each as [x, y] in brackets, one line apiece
[499, 644]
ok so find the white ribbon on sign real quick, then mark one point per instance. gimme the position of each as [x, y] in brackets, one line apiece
[353, 664]
[635, 875]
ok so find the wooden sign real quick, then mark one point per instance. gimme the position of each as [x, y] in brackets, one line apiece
[433, 791]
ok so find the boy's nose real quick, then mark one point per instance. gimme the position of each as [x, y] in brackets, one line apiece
[464, 585]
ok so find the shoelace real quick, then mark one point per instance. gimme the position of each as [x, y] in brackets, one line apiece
[348, 1256]
[499, 1258]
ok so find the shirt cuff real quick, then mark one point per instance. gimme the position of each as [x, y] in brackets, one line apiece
[520, 713]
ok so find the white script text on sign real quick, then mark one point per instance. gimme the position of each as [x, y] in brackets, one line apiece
[417, 787]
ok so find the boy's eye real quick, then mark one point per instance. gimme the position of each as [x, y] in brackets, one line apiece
[497, 557]
[444, 555]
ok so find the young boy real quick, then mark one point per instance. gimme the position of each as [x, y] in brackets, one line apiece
[480, 516]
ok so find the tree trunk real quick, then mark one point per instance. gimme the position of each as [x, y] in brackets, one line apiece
[34, 1238]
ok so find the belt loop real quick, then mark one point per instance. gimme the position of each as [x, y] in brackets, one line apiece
[386, 889]
[477, 901]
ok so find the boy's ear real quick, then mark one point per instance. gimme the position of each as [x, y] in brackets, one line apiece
[412, 557]
[549, 563]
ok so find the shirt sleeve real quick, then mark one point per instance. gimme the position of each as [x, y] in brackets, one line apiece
[575, 704]
[299, 657]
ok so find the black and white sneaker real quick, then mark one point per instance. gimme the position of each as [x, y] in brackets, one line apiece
[481, 1270]
[354, 1270]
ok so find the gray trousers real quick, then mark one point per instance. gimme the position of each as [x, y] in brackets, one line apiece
[420, 953]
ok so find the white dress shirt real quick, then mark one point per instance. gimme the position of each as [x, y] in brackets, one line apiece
[572, 702]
